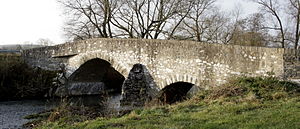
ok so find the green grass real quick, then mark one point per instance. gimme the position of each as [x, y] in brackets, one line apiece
[279, 114]
[241, 103]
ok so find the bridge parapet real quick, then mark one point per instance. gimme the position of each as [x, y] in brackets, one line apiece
[291, 64]
[169, 61]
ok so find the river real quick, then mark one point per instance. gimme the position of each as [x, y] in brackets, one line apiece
[12, 113]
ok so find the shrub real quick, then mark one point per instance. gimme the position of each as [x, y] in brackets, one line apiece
[251, 88]
[19, 81]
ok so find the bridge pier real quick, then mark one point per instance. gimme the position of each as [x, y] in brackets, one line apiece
[138, 88]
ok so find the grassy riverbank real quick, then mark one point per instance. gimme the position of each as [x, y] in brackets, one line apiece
[244, 102]
[19, 81]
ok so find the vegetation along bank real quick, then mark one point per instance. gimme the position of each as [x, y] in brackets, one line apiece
[19, 81]
[243, 102]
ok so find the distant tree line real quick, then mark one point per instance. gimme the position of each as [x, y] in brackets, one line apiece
[276, 24]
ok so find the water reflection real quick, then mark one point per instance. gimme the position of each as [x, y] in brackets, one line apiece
[12, 113]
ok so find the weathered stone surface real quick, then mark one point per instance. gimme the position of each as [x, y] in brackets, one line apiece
[138, 88]
[291, 64]
[80, 88]
[170, 61]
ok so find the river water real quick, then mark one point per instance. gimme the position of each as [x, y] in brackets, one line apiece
[12, 113]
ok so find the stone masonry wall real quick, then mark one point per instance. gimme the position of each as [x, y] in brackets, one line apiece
[171, 61]
[138, 88]
[42, 57]
[291, 64]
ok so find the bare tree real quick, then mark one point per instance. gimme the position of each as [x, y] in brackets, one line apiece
[206, 23]
[218, 27]
[196, 19]
[294, 12]
[89, 18]
[150, 18]
[44, 42]
[248, 31]
[125, 18]
[232, 25]
[272, 7]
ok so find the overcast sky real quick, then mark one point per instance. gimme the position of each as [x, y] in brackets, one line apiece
[29, 20]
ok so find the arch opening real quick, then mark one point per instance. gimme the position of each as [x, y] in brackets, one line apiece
[96, 76]
[174, 92]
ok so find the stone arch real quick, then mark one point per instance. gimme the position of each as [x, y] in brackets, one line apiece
[97, 72]
[179, 78]
[80, 87]
[94, 77]
[76, 61]
[174, 92]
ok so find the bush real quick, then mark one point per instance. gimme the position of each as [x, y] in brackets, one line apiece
[19, 81]
[251, 88]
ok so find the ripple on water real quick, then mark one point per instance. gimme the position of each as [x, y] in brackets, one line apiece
[12, 112]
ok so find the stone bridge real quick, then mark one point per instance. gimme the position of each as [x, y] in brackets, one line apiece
[172, 67]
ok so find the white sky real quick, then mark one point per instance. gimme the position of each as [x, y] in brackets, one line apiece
[246, 6]
[29, 20]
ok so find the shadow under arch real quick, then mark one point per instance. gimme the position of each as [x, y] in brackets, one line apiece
[94, 83]
[97, 74]
[78, 60]
[174, 92]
